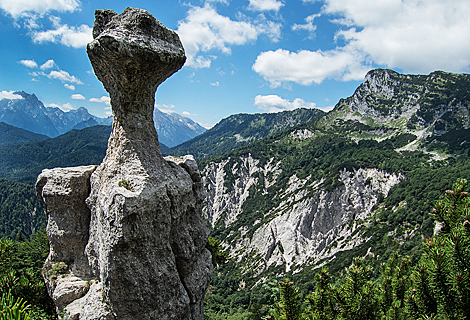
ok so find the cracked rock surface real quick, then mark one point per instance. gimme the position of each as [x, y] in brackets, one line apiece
[145, 255]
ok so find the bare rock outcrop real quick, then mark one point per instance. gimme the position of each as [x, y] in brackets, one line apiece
[145, 255]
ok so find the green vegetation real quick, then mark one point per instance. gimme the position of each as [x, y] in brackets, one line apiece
[11, 309]
[125, 184]
[21, 211]
[437, 286]
[20, 277]
[77, 147]
[321, 157]
[397, 275]
[404, 211]
[400, 219]
[219, 255]
[11, 136]
[240, 129]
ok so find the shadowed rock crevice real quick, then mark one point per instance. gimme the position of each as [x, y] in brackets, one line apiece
[146, 241]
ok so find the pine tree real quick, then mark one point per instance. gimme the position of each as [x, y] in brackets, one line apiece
[321, 302]
[442, 279]
[357, 296]
[394, 283]
[289, 305]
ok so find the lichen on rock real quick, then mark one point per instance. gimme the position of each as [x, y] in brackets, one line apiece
[145, 248]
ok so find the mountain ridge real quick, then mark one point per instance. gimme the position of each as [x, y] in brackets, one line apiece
[358, 181]
[239, 129]
[29, 113]
[11, 135]
[399, 103]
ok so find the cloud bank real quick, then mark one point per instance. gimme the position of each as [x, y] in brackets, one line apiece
[205, 30]
[9, 95]
[76, 37]
[274, 103]
[17, 8]
[413, 36]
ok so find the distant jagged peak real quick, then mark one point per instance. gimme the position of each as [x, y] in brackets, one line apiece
[29, 99]
[26, 95]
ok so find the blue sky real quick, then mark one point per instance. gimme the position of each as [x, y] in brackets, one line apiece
[243, 56]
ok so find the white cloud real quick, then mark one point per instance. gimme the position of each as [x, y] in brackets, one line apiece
[204, 30]
[76, 37]
[217, 1]
[64, 107]
[48, 64]
[414, 36]
[206, 125]
[77, 96]
[270, 28]
[274, 103]
[307, 67]
[215, 84]
[327, 108]
[265, 5]
[33, 64]
[103, 99]
[188, 114]
[29, 63]
[63, 76]
[20, 7]
[9, 95]
[166, 108]
[308, 26]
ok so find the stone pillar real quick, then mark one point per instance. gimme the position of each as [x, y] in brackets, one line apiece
[146, 237]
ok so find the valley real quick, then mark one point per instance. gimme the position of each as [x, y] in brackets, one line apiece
[292, 192]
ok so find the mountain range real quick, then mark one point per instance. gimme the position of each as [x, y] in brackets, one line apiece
[11, 135]
[29, 113]
[290, 192]
[240, 129]
[359, 181]
[24, 154]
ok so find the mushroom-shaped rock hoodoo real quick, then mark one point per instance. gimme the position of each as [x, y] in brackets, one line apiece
[145, 249]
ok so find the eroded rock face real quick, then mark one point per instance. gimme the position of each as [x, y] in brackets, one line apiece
[63, 191]
[309, 224]
[146, 238]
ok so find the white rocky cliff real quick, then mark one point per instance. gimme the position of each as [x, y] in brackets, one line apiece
[308, 225]
[127, 237]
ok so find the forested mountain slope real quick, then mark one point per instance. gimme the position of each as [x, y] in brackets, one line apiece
[240, 129]
[21, 211]
[359, 181]
[78, 147]
[11, 135]
[389, 103]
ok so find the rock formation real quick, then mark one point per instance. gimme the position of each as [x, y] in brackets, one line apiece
[141, 253]
[309, 224]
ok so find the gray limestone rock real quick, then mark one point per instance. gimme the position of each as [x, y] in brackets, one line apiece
[66, 270]
[63, 191]
[310, 224]
[146, 236]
